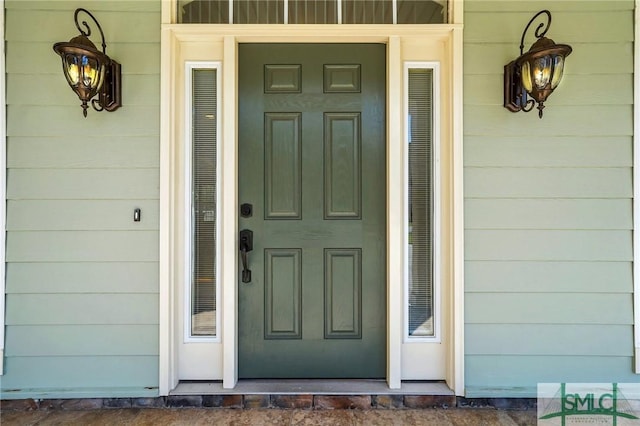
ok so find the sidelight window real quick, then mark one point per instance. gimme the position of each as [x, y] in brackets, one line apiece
[312, 11]
[201, 292]
[421, 293]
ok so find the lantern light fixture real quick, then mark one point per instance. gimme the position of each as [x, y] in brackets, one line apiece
[533, 76]
[88, 71]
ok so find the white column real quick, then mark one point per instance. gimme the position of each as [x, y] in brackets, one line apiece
[395, 214]
[229, 216]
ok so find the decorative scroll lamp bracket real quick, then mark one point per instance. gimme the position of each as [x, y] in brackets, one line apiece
[88, 71]
[533, 76]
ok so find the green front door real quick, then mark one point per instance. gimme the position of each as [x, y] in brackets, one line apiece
[312, 167]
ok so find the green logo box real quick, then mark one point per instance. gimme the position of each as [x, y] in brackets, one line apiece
[562, 404]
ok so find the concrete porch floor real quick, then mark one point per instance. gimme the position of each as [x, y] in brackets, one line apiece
[255, 417]
[318, 387]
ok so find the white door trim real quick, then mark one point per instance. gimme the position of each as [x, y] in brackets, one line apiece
[404, 42]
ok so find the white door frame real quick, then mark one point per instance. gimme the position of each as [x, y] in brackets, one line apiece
[219, 43]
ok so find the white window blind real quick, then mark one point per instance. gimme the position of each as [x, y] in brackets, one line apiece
[421, 287]
[203, 202]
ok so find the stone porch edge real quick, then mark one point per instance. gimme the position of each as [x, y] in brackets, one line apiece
[252, 401]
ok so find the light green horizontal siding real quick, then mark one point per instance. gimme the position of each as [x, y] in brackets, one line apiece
[597, 120]
[100, 152]
[141, 27]
[549, 308]
[82, 340]
[561, 151]
[78, 184]
[519, 375]
[140, 89]
[548, 203]
[596, 246]
[574, 214]
[555, 5]
[30, 120]
[82, 246]
[85, 309]
[604, 89]
[78, 372]
[567, 26]
[488, 58]
[86, 392]
[520, 182]
[548, 339]
[548, 277]
[28, 58]
[82, 276]
[80, 215]
[93, 5]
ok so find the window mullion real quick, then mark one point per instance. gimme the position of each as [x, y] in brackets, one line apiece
[285, 18]
[394, 6]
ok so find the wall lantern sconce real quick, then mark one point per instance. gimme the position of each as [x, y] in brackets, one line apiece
[88, 71]
[536, 73]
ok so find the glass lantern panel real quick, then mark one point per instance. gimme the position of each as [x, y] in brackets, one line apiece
[89, 72]
[542, 71]
[558, 69]
[71, 69]
[526, 77]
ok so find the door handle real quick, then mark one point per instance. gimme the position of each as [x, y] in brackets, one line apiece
[246, 245]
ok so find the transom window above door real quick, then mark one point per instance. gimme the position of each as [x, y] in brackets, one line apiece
[312, 11]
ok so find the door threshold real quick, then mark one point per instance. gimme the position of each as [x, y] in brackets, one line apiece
[311, 387]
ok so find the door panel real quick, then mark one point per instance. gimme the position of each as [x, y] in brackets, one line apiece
[312, 164]
[342, 169]
[282, 166]
[283, 288]
[342, 296]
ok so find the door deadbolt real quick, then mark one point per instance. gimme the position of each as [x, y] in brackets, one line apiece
[246, 210]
